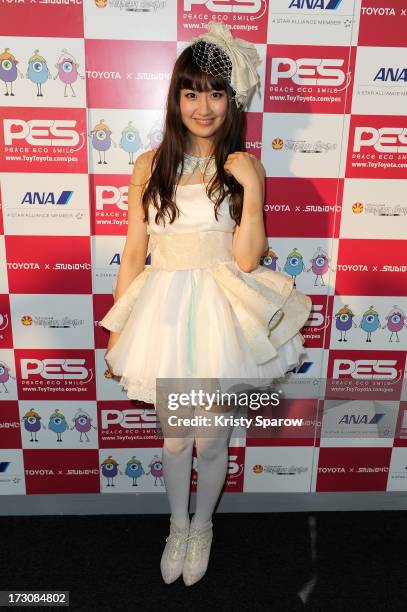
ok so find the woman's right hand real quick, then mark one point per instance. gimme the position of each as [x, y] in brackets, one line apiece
[114, 336]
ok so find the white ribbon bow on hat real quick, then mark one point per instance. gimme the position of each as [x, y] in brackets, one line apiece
[243, 55]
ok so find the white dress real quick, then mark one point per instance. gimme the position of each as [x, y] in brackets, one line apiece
[182, 324]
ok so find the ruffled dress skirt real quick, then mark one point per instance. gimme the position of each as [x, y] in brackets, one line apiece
[182, 325]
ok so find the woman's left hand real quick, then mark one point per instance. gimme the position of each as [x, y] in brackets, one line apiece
[246, 169]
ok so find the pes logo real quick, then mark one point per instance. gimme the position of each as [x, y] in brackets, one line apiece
[365, 374]
[377, 147]
[130, 418]
[382, 140]
[58, 373]
[309, 71]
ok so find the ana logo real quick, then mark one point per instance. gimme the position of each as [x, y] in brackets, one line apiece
[383, 140]
[36, 197]
[365, 369]
[394, 75]
[305, 71]
[303, 368]
[4, 466]
[115, 260]
[361, 419]
[227, 6]
[357, 208]
[328, 5]
[41, 132]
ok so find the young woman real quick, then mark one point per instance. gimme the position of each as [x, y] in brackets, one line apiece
[204, 308]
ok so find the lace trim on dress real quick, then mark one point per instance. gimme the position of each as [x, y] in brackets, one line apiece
[141, 389]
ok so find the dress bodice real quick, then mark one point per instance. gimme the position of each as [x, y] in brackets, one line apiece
[196, 213]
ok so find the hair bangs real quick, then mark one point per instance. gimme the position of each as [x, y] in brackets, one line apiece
[193, 77]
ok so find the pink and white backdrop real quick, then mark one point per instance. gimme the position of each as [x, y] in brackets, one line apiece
[83, 88]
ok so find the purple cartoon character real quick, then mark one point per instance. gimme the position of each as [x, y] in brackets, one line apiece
[396, 320]
[8, 70]
[156, 470]
[101, 139]
[32, 423]
[344, 321]
[269, 259]
[82, 423]
[67, 71]
[110, 469]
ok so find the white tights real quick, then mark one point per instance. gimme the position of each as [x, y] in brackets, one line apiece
[212, 456]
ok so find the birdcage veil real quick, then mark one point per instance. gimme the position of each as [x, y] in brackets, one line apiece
[219, 54]
[212, 59]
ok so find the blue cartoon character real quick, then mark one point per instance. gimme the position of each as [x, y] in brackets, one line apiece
[319, 265]
[370, 322]
[269, 259]
[68, 71]
[395, 321]
[82, 423]
[110, 469]
[37, 71]
[57, 423]
[8, 70]
[134, 470]
[32, 423]
[130, 141]
[344, 321]
[156, 470]
[294, 265]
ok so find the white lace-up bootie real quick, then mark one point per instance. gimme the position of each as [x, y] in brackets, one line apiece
[198, 551]
[172, 559]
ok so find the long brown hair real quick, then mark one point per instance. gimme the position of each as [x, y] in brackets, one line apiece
[229, 138]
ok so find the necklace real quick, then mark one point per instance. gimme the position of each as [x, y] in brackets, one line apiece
[206, 165]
